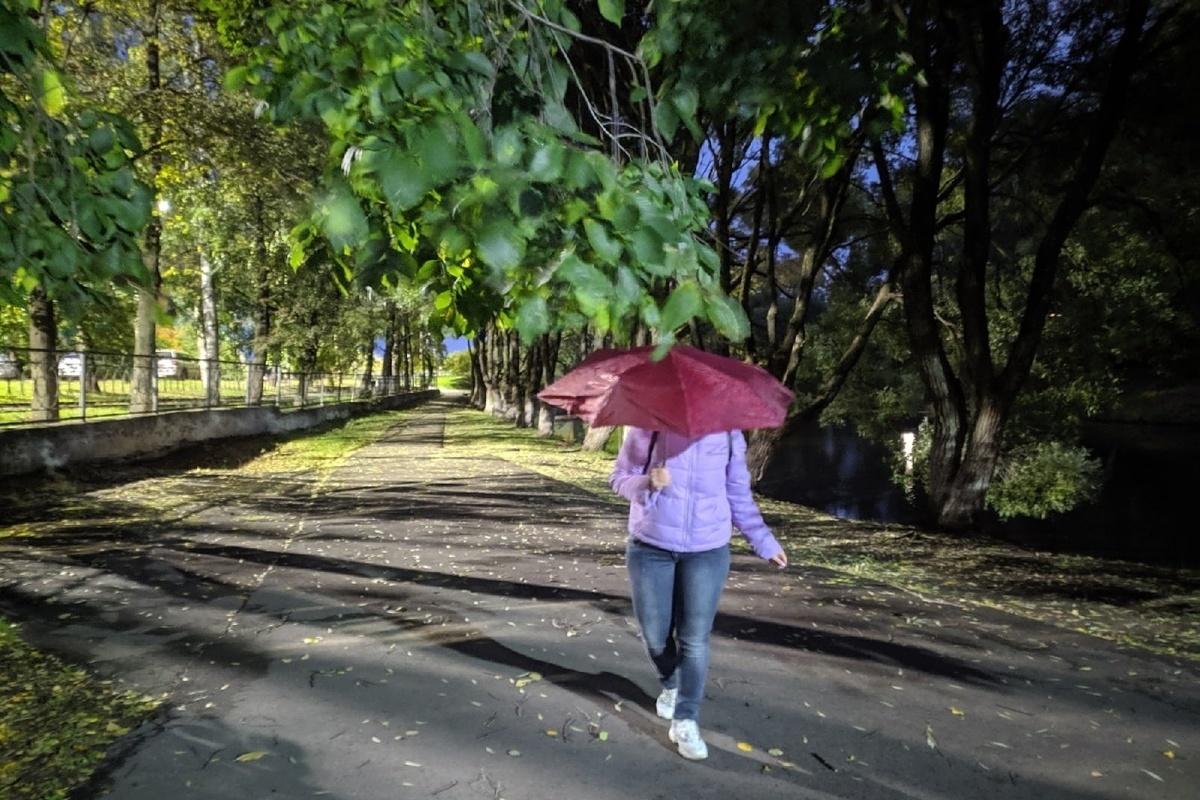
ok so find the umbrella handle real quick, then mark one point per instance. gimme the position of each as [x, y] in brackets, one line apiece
[650, 455]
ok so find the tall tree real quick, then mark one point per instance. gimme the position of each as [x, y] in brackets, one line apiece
[72, 204]
[1071, 61]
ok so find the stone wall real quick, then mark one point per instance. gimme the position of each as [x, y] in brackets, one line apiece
[37, 448]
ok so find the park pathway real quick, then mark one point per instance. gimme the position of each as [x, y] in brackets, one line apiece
[430, 624]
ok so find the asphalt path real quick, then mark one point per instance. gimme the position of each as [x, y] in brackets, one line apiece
[432, 624]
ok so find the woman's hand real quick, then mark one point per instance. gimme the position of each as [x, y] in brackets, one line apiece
[660, 478]
[779, 560]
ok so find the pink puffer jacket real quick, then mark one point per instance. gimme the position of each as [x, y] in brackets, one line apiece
[709, 492]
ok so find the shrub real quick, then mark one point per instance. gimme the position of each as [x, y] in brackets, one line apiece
[1038, 479]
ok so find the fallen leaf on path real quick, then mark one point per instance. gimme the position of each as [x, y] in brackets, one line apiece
[775, 751]
[1152, 775]
[253, 755]
[958, 712]
[745, 747]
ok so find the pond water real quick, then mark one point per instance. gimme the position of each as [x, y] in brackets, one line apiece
[835, 470]
[1144, 509]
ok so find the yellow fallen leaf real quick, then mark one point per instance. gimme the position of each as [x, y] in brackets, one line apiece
[312, 639]
[1169, 753]
[602, 736]
[745, 747]
[552, 733]
[958, 712]
[775, 751]
[253, 755]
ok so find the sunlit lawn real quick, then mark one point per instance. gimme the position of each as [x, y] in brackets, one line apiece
[112, 397]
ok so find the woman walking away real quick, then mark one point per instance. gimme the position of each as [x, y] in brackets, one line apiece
[685, 496]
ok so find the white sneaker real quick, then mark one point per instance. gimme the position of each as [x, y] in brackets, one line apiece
[686, 734]
[665, 705]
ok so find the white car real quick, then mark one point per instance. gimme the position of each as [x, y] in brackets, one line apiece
[70, 365]
[170, 365]
[10, 367]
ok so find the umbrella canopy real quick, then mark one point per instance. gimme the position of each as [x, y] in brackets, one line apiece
[687, 391]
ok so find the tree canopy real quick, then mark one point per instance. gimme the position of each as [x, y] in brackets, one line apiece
[71, 204]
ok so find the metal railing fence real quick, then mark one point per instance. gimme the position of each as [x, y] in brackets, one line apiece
[95, 383]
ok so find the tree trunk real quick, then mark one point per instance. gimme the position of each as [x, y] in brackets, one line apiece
[308, 359]
[532, 380]
[386, 371]
[210, 367]
[405, 353]
[262, 321]
[963, 498]
[143, 393]
[761, 446]
[43, 357]
[516, 382]
[478, 395]
[490, 364]
[548, 357]
[367, 387]
[596, 438]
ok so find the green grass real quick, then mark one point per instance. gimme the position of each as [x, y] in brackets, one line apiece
[112, 397]
[324, 450]
[56, 721]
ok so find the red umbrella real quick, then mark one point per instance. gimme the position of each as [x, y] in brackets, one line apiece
[687, 391]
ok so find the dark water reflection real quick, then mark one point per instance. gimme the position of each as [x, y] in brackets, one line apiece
[1145, 508]
[837, 471]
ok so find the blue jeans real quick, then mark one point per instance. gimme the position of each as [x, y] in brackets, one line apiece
[675, 598]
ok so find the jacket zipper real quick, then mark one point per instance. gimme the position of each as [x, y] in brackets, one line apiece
[688, 511]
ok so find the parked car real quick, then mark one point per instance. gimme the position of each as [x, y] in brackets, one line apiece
[170, 365]
[10, 366]
[70, 365]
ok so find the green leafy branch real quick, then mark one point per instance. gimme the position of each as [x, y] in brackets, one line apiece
[453, 148]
